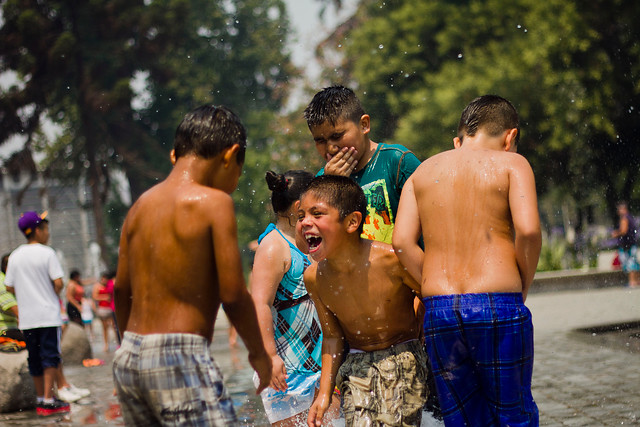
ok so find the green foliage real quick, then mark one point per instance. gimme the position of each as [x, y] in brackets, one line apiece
[571, 68]
[76, 62]
[552, 255]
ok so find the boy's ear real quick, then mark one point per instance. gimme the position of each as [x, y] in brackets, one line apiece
[510, 140]
[365, 123]
[353, 221]
[457, 142]
[172, 157]
[229, 154]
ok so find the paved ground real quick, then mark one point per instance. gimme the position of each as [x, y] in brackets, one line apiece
[576, 380]
[579, 379]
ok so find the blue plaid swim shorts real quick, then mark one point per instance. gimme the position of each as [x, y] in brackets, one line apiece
[481, 351]
[170, 380]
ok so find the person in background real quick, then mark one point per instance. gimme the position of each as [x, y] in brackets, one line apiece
[75, 296]
[9, 313]
[626, 233]
[103, 297]
[34, 276]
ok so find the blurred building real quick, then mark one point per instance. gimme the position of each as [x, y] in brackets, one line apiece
[72, 227]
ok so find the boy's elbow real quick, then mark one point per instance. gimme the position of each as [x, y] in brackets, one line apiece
[532, 238]
[398, 242]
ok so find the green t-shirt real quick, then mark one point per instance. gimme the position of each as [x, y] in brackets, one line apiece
[7, 300]
[382, 180]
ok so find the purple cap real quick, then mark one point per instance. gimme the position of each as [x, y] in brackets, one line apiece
[30, 220]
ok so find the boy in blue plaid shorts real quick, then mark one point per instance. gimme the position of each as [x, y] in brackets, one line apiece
[178, 261]
[476, 207]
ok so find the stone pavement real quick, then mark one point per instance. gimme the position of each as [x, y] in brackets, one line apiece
[577, 382]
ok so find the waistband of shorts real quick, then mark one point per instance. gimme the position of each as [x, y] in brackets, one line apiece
[396, 349]
[137, 342]
[463, 300]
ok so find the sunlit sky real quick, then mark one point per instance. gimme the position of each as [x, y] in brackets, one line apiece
[310, 29]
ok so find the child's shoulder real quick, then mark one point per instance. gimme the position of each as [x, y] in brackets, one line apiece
[399, 148]
[382, 253]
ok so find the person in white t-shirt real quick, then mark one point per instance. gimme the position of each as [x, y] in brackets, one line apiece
[34, 276]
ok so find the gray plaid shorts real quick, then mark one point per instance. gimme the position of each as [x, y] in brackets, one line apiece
[170, 380]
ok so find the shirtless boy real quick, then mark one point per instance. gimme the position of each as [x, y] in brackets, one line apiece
[476, 208]
[364, 298]
[178, 261]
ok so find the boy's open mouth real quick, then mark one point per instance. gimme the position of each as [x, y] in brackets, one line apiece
[313, 242]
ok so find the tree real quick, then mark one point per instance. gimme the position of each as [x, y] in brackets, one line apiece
[571, 69]
[76, 62]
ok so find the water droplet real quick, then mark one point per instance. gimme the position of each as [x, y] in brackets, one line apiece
[381, 46]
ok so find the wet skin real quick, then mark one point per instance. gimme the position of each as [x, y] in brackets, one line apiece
[476, 208]
[345, 145]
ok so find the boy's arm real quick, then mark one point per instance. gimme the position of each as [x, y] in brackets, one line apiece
[122, 287]
[523, 203]
[57, 285]
[268, 270]
[8, 301]
[234, 296]
[407, 231]
[332, 351]
[622, 228]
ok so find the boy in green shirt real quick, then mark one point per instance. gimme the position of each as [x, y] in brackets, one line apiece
[340, 129]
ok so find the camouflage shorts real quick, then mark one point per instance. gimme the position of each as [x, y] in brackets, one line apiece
[384, 387]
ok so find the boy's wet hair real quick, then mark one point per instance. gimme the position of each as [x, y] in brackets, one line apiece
[332, 104]
[492, 113]
[341, 193]
[286, 188]
[207, 131]
[74, 275]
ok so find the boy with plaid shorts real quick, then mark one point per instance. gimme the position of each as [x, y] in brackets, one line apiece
[178, 261]
[476, 208]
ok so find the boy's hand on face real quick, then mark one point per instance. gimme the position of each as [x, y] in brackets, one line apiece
[343, 163]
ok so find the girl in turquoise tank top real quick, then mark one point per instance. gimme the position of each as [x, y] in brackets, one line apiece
[288, 319]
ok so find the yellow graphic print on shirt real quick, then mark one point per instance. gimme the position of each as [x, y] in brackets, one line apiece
[378, 225]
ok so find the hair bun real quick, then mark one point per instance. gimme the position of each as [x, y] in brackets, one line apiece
[276, 181]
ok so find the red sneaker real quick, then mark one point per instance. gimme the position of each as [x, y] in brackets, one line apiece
[57, 407]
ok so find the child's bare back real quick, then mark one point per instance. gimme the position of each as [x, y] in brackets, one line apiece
[370, 298]
[463, 199]
[170, 242]
[476, 208]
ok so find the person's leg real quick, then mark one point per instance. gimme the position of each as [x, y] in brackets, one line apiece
[38, 381]
[32, 340]
[503, 353]
[459, 391]
[50, 376]
[105, 331]
[51, 360]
